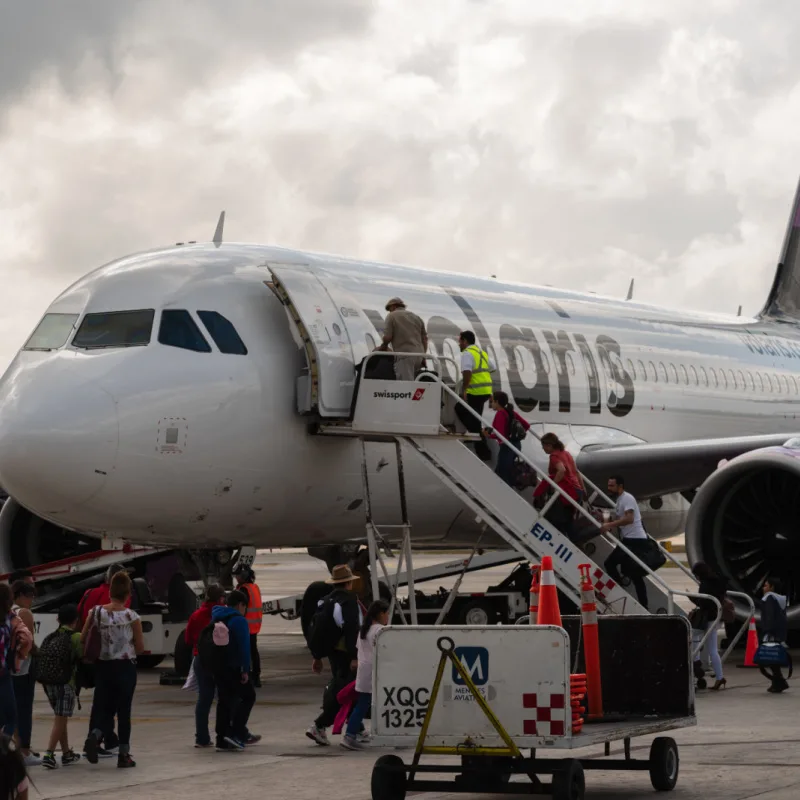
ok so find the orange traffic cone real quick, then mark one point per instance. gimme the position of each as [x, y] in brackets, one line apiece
[549, 613]
[534, 607]
[752, 646]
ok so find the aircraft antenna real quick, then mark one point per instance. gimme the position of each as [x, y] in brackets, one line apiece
[218, 232]
[630, 290]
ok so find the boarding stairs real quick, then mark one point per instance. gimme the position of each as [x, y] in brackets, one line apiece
[417, 416]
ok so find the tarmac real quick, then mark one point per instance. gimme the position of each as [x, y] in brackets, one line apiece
[745, 745]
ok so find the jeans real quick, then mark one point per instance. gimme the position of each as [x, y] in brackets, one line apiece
[476, 402]
[619, 559]
[235, 701]
[8, 706]
[24, 689]
[341, 676]
[116, 684]
[255, 656]
[205, 697]
[506, 459]
[356, 720]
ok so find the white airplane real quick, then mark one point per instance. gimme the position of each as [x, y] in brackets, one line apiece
[159, 401]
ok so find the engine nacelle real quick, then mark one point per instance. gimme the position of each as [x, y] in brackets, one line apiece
[27, 540]
[744, 523]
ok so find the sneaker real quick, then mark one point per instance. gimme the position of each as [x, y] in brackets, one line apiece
[33, 760]
[252, 738]
[229, 745]
[363, 738]
[107, 752]
[318, 735]
[70, 757]
[351, 743]
[124, 761]
[91, 750]
[203, 745]
[49, 761]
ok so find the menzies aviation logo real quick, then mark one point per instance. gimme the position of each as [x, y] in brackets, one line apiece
[475, 661]
[418, 394]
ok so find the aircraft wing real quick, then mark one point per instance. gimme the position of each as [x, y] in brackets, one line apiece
[655, 469]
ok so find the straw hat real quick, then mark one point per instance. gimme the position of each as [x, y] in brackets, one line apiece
[341, 574]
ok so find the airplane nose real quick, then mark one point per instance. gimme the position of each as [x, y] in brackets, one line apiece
[57, 446]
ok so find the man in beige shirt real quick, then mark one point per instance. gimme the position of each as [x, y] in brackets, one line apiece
[406, 333]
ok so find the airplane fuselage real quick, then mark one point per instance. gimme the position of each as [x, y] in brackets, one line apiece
[184, 447]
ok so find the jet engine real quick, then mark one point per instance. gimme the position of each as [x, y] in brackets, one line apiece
[744, 522]
[27, 540]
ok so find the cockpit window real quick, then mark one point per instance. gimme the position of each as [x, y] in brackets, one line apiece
[115, 329]
[178, 329]
[52, 332]
[223, 333]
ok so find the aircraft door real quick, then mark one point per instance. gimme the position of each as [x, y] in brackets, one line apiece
[323, 332]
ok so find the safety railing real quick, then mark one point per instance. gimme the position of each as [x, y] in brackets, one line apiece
[558, 491]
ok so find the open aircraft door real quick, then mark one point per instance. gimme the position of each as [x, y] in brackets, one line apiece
[329, 324]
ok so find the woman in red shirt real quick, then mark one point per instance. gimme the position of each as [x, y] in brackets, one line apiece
[502, 424]
[564, 473]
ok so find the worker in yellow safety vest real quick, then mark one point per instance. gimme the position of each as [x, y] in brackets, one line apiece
[246, 582]
[476, 388]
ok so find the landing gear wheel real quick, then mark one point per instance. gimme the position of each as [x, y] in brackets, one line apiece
[477, 612]
[664, 764]
[389, 779]
[569, 783]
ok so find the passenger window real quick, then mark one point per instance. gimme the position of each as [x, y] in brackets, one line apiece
[703, 376]
[731, 379]
[642, 371]
[684, 375]
[662, 371]
[723, 379]
[673, 373]
[178, 329]
[794, 384]
[631, 369]
[759, 382]
[371, 343]
[778, 383]
[714, 381]
[751, 384]
[652, 374]
[740, 379]
[115, 329]
[223, 333]
[52, 332]
[570, 364]
[693, 373]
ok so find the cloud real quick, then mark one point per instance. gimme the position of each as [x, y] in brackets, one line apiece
[566, 145]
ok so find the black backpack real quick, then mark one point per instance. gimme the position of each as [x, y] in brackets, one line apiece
[323, 632]
[213, 657]
[516, 430]
[55, 660]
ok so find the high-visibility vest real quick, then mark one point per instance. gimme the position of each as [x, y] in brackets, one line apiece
[481, 382]
[255, 612]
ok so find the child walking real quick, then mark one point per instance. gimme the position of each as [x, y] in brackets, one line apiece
[57, 666]
[376, 618]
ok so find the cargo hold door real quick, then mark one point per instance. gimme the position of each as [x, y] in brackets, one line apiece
[319, 323]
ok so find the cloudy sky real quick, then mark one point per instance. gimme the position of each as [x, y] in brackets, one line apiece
[572, 143]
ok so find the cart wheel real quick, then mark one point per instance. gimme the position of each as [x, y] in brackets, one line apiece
[389, 779]
[477, 612]
[569, 784]
[664, 764]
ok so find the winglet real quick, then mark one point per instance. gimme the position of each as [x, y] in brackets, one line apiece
[218, 232]
[630, 290]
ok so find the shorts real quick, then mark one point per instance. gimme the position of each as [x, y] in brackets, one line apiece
[62, 699]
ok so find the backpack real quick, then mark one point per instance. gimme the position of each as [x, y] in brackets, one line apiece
[5, 649]
[323, 632]
[516, 430]
[212, 647]
[55, 661]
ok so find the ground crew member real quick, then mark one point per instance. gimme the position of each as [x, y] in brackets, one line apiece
[246, 582]
[476, 389]
[406, 333]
